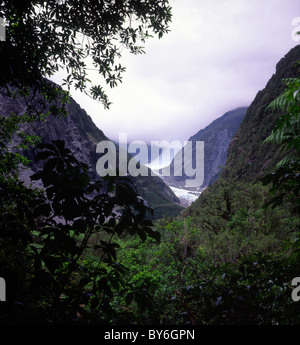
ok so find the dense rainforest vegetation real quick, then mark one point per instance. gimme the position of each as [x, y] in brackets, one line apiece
[78, 251]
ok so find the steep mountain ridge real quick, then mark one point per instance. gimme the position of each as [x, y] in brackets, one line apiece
[216, 137]
[82, 136]
[248, 157]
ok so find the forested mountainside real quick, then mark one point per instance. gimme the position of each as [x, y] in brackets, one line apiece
[232, 256]
[227, 259]
[216, 137]
[249, 158]
[81, 136]
[83, 252]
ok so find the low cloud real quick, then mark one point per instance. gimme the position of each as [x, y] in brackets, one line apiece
[218, 55]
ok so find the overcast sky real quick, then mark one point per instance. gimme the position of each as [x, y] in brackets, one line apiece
[218, 55]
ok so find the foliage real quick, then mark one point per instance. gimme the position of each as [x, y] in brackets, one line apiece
[248, 159]
[68, 249]
[44, 36]
[56, 247]
[240, 206]
[230, 258]
[285, 178]
[188, 285]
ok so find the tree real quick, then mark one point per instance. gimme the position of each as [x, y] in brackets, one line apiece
[285, 179]
[43, 36]
[46, 236]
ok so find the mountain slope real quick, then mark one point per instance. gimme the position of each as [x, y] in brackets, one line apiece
[249, 159]
[82, 136]
[216, 137]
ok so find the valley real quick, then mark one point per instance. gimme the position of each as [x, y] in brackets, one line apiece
[99, 231]
[185, 196]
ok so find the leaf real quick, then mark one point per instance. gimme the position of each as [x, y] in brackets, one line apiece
[50, 191]
[129, 298]
[95, 303]
[115, 283]
[43, 209]
[143, 301]
[60, 144]
[46, 146]
[84, 281]
[43, 155]
[147, 223]
[51, 262]
[36, 176]
[80, 225]
[50, 165]
[153, 234]
[142, 235]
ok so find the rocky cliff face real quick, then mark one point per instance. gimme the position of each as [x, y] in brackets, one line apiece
[217, 158]
[216, 137]
[82, 136]
[248, 158]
